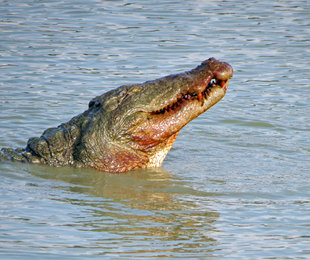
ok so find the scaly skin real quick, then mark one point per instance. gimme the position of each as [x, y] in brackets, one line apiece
[131, 127]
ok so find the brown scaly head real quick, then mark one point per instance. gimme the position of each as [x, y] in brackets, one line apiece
[134, 126]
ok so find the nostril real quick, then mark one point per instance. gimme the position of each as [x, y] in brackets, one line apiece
[223, 71]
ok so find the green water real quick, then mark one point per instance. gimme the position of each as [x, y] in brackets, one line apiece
[235, 184]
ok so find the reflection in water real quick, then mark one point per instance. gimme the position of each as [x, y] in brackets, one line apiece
[147, 211]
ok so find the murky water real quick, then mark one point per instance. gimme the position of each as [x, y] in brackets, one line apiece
[236, 183]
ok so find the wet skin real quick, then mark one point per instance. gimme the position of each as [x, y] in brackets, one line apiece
[130, 127]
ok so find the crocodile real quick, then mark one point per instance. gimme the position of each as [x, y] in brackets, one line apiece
[132, 126]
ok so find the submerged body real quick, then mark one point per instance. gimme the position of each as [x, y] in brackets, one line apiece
[131, 127]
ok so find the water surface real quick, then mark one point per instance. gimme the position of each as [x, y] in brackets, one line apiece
[235, 184]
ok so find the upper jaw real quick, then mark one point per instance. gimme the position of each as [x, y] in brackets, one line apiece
[218, 73]
[213, 81]
[221, 70]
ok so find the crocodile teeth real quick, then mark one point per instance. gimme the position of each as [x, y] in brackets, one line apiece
[200, 97]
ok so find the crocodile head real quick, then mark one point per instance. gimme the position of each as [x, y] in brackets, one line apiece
[134, 126]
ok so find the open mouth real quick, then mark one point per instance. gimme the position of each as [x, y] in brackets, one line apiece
[200, 97]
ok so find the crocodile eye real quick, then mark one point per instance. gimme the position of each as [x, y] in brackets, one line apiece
[91, 104]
